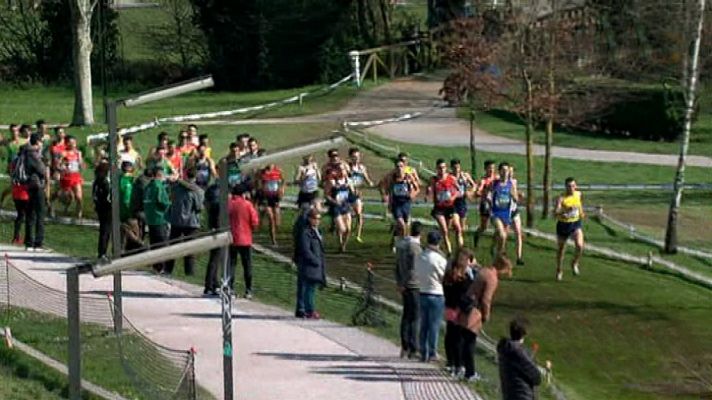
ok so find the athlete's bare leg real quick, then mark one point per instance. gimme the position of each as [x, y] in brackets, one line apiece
[578, 240]
[358, 210]
[500, 238]
[78, 198]
[517, 227]
[272, 224]
[442, 223]
[457, 227]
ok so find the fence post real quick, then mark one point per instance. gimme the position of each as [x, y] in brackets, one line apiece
[356, 64]
[7, 278]
[75, 357]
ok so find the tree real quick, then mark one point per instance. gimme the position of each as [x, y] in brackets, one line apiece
[692, 76]
[81, 15]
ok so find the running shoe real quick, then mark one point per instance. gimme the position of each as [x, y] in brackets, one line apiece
[474, 378]
[358, 239]
[575, 268]
[248, 295]
[520, 262]
[559, 275]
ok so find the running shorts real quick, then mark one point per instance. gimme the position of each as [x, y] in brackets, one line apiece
[564, 230]
[461, 207]
[401, 210]
[306, 198]
[447, 212]
[69, 181]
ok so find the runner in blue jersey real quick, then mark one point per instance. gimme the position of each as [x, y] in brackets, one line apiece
[337, 190]
[502, 192]
[398, 189]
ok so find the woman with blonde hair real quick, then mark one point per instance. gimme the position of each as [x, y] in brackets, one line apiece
[476, 307]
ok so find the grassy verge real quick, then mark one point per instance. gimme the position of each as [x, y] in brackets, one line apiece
[21, 378]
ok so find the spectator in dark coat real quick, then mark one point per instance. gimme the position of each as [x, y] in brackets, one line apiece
[518, 373]
[311, 270]
[212, 205]
[243, 221]
[185, 216]
[155, 205]
[101, 194]
[407, 249]
[137, 191]
[38, 190]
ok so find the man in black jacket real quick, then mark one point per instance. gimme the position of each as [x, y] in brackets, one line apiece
[101, 194]
[518, 373]
[38, 188]
[309, 257]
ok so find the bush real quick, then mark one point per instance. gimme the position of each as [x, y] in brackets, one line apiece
[648, 113]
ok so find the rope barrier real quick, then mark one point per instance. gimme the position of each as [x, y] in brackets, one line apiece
[194, 117]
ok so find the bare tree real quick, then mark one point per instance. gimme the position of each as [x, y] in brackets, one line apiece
[81, 11]
[692, 76]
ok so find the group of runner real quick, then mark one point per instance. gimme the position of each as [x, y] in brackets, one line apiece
[451, 190]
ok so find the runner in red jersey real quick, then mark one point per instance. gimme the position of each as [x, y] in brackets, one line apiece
[485, 202]
[445, 191]
[70, 182]
[271, 187]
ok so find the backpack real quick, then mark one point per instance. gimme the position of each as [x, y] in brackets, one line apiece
[19, 169]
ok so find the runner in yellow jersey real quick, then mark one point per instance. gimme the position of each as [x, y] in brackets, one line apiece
[569, 213]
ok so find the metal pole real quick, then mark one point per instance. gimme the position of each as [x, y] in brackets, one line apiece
[75, 356]
[115, 210]
[356, 63]
[473, 150]
[225, 292]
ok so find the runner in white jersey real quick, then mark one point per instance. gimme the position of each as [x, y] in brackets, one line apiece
[359, 178]
[308, 177]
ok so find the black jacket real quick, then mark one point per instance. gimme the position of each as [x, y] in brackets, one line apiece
[309, 255]
[518, 373]
[456, 293]
[212, 205]
[101, 194]
[34, 167]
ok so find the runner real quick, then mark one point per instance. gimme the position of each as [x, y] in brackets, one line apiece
[517, 219]
[204, 167]
[12, 144]
[205, 141]
[194, 136]
[129, 154]
[467, 187]
[569, 212]
[242, 143]
[359, 177]
[398, 189]
[408, 169]
[253, 151]
[53, 152]
[307, 177]
[186, 148]
[337, 191]
[271, 187]
[485, 202]
[234, 174]
[160, 160]
[331, 168]
[175, 158]
[502, 192]
[70, 183]
[444, 190]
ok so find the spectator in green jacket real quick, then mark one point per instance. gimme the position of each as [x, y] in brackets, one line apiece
[155, 205]
[125, 190]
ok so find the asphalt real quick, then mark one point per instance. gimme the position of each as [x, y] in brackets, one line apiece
[276, 356]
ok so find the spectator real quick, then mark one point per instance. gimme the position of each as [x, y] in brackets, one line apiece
[155, 205]
[475, 310]
[185, 216]
[407, 250]
[311, 269]
[430, 268]
[212, 205]
[131, 240]
[243, 221]
[101, 194]
[518, 373]
[38, 190]
[21, 198]
[126, 183]
[137, 193]
[456, 282]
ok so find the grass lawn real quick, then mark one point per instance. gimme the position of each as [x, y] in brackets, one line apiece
[20, 381]
[510, 126]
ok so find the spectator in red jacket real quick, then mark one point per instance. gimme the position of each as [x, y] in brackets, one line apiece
[243, 221]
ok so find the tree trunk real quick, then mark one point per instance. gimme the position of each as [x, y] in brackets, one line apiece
[692, 78]
[550, 118]
[81, 11]
[530, 148]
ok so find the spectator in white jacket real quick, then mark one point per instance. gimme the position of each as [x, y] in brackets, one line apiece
[430, 268]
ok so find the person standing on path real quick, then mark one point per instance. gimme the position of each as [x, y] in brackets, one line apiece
[475, 310]
[185, 216]
[156, 204]
[407, 250]
[518, 373]
[37, 175]
[457, 280]
[430, 268]
[101, 194]
[243, 221]
[569, 213]
[311, 267]
[212, 205]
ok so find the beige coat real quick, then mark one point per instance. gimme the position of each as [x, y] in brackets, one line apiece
[482, 292]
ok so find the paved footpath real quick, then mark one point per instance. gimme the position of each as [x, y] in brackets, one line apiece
[276, 355]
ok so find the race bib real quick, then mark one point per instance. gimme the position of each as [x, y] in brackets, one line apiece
[400, 189]
[357, 179]
[203, 176]
[501, 201]
[73, 166]
[572, 213]
[272, 186]
[342, 196]
[444, 196]
[310, 184]
[234, 178]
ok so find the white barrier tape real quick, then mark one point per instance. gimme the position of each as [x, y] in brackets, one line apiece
[194, 117]
[400, 118]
